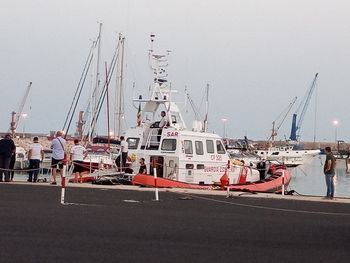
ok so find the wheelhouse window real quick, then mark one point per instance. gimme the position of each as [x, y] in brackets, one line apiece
[189, 166]
[199, 147]
[188, 147]
[200, 166]
[220, 148]
[210, 146]
[169, 145]
[133, 143]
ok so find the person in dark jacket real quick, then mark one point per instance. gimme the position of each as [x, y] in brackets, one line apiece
[143, 168]
[261, 166]
[12, 165]
[7, 148]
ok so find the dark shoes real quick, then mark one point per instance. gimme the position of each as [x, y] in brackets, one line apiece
[53, 183]
[328, 198]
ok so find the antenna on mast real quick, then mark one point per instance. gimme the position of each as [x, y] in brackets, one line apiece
[152, 40]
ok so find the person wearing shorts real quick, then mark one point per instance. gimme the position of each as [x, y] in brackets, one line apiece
[77, 155]
[58, 147]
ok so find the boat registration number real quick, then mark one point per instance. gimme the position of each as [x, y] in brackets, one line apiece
[216, 157]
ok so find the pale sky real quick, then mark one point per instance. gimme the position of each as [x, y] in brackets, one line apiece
[256, 56]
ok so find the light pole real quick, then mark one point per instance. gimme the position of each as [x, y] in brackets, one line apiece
[24, 116]
[224, 120]
[335, 123]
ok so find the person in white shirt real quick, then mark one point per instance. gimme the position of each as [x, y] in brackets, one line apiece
[58, 147]
[77, 156]
[35, 156]
[123, 154]
[163, 123]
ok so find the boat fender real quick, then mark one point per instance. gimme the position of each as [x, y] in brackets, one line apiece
[243, 175]
[224, 180]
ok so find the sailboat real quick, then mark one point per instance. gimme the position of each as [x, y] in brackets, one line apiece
[102, 150]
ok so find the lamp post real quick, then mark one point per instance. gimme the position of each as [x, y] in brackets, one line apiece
[24, 116]
[335, 123]
[224, 120]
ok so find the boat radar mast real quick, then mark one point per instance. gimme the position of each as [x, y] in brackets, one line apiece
[160, 94]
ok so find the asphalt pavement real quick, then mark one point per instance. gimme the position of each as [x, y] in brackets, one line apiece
[108, 225]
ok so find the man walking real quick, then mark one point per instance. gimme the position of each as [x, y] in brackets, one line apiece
[7, 148]
[58, 146]
[35, 155]
[329, 171]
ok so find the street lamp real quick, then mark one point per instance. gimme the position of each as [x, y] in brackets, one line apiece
[224, 120]
[24, 116]
[335, 123]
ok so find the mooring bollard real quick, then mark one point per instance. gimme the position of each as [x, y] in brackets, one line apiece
[155, 183]
[282, 183]
[63, 184]
[155, 179]
[228, 178]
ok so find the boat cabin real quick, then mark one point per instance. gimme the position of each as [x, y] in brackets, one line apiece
[179, 155]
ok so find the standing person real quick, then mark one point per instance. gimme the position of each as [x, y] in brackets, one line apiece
[7, 148]
[143, 168]
[124, 151]
[35, 155]
[58, 146]
[261, 166]
[163, 123]
[329, 171]
[77, 156]
[12, 165]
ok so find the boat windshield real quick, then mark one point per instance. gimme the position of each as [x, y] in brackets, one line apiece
[133, 143]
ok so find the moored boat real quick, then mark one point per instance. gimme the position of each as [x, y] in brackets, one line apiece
[287, 155]
[178, 156]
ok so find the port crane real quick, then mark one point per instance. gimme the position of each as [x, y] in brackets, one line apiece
[296, 126]
[16, 115]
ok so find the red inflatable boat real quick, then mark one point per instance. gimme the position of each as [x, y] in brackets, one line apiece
[278, 176]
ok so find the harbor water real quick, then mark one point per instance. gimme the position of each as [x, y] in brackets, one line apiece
[309, 179]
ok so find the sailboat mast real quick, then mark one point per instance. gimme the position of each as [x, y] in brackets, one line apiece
[98, 66]
[205, 128]
[107, 93]
[273, 134]
[119, 92]
[97, 79]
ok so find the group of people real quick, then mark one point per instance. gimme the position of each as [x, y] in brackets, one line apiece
[36, 156]
[77, 155]
[122, 159]
[58, 145]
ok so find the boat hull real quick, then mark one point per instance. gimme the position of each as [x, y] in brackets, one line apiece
[272, 184]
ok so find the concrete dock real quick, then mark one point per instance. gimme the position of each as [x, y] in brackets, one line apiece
[125, 224]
